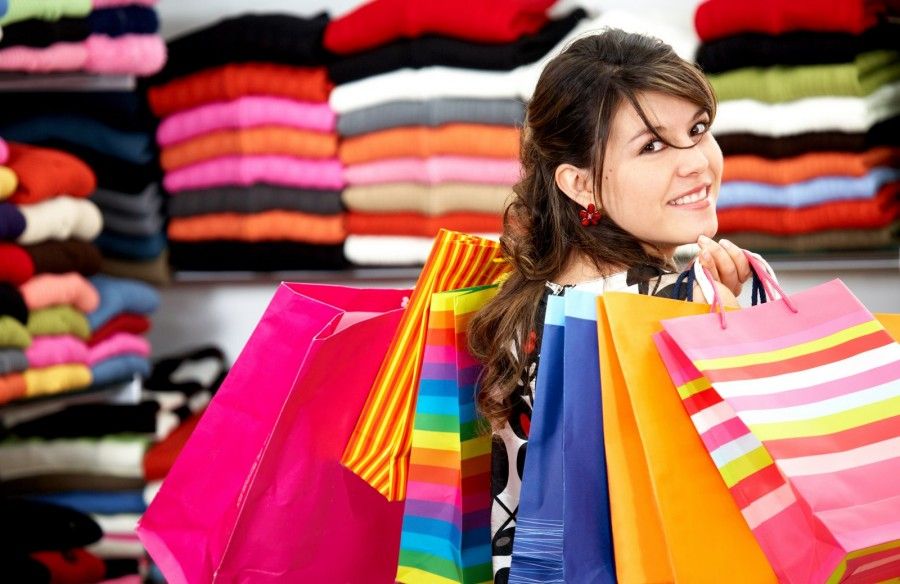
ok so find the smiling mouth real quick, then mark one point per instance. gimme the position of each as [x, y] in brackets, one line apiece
[694, 197]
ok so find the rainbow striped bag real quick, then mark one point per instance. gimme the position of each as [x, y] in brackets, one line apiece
[446, 533]
[798, 403]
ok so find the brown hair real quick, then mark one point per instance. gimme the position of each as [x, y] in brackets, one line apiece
[568, 121]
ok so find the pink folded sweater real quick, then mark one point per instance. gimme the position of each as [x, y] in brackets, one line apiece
[245, 112]
[138, 54]
[44, 290]
[49, 350]
[4, 152]
[437, 169]
[247, 170]
[118, 344]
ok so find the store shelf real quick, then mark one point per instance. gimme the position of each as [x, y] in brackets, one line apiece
[10, 82]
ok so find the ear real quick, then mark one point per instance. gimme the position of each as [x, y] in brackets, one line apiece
[576, 183]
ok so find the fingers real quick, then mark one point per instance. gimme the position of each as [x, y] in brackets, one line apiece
[725, 261]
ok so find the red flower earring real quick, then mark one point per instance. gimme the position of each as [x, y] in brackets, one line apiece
[590, 216]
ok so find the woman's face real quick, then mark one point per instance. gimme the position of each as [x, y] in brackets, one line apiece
[664, 196]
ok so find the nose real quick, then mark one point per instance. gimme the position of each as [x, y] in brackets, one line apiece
[692, 160]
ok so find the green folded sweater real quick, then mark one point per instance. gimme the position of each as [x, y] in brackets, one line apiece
[58, 320]
[780, 83]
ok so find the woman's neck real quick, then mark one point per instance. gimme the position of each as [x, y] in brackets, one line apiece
[580, 269]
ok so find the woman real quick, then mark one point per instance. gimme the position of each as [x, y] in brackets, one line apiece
[619, 168]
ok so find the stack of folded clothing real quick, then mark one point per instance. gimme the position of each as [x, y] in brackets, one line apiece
[430, 99]
[113, 133]
[45, 543]
[100, 37]
[248, 147]
[808, 121]
[104, 462]
[62, 315]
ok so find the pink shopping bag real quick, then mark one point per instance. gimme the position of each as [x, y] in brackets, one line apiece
[258, 493]
[798, 403]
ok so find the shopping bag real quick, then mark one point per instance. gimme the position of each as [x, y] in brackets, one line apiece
[798, 403]
[446, 533]
[563, 531]
[258, 493]
[672, 518]
[378, 450]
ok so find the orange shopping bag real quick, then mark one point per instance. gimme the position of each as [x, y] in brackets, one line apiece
[673, 519]
[378, 450]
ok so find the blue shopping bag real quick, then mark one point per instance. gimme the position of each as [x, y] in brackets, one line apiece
[563, 531]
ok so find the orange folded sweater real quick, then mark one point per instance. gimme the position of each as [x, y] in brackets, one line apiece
[422, 142]
[261, 140]
[12, 387]
[238, 79]
[855, 214]
[45, 173]
[422, 225]
[267, 226]
[808, 166]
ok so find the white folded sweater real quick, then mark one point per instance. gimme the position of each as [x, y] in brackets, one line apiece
[61, 218]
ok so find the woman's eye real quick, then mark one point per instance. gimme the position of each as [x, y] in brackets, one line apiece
[652, 146]
[699, 128]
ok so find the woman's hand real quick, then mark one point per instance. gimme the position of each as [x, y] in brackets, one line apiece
[726, 262]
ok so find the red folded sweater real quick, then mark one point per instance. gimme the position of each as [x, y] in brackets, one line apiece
[45, 173]
[16, 266]
[135, 324]
[721, 18]
[382, 21]
[858, 214]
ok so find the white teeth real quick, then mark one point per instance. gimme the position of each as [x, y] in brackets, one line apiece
[692, 198]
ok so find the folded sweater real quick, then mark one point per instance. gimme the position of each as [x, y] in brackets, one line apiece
[16, 265]
[58, 320]
[146, 202]
[811, 114]
[12, 303]
[12, 222]
[792, 48]
[432, 112]
[238, 80]
[274, 38]
[422, 225]
[422, 141]
[56, 379]
[266, 226]
[271, 139]
[121, 296]
[721, 18]
[43, 33]
[427, 199]
[245, 112]
[254, 199]
[380, 21]
[44, 173]
[247, 170]
[12, 360]
[808, 166]
[267, 256]
[779, 83]
[8, 182]
[71, 288]
[833, 239]
[135, 54]
[804, 194]
[125, 322]
[13, 334]
[57, 349]
[59, 257]
[61, 218]
[136, 147]
[122, 20]
[438, 169]
[20, 10]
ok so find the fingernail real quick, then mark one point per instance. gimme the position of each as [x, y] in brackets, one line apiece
[725, 243]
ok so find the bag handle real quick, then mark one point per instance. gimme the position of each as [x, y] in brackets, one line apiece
[688, 278]
[768, 286]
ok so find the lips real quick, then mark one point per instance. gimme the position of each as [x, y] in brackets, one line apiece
[696, 195]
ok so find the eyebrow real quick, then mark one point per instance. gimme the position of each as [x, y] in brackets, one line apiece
[659, 129]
